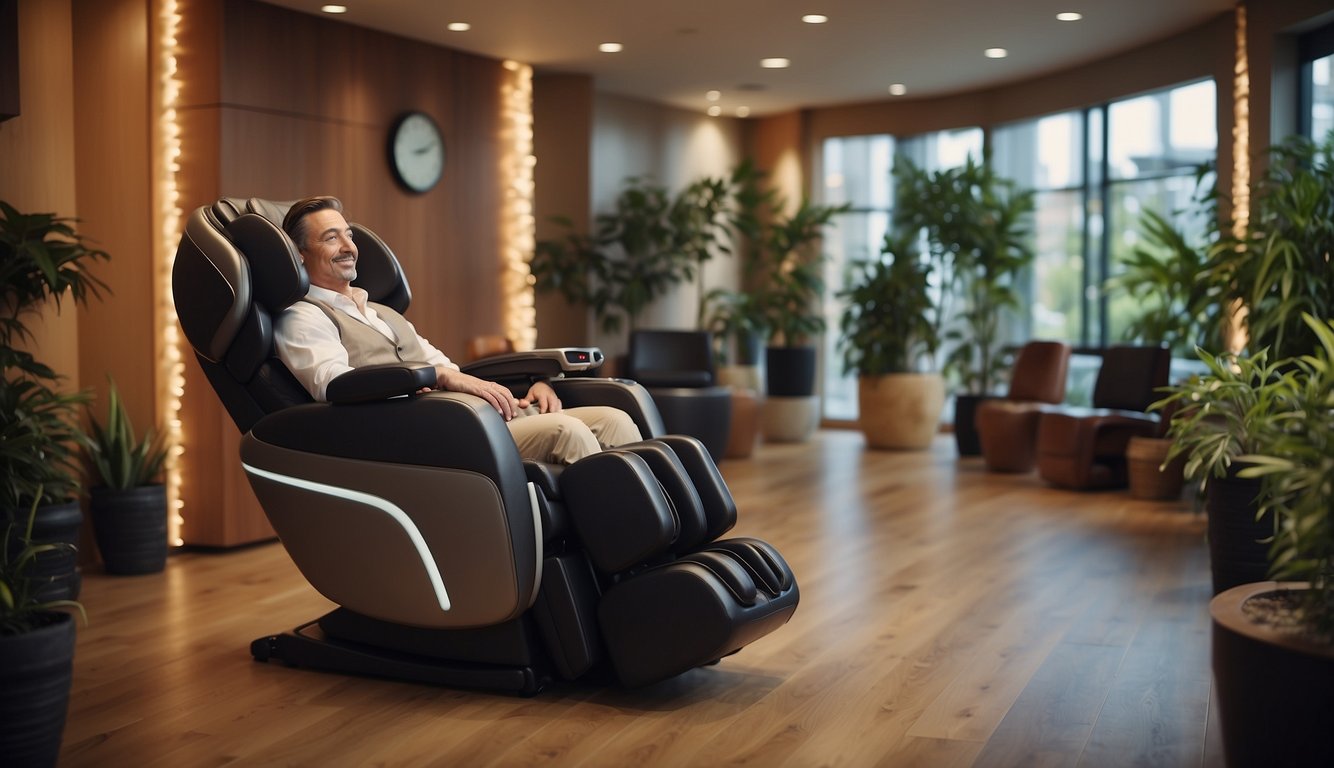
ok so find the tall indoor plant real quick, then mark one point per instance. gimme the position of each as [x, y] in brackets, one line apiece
[42, 258]
[648, 243]
[976, 224]
[127, 502]
[889, 334]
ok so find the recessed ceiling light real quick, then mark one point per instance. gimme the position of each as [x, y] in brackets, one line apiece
[743, 111]
[1069, 16]
[610, 47]
[815, 18]
[713, 95]
[996, 53]
[334, 8]
[458, 26]
[898, 89]
[775, 63]
[715, 110]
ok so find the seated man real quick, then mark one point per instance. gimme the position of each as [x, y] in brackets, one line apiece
[335, 329]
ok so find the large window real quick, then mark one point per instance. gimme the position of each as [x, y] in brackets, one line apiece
[1095, 172]
[1316, 52]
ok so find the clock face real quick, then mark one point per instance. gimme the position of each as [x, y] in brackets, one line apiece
[417, 151]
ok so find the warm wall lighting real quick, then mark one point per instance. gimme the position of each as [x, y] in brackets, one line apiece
[775, 63]
[815, 18]
[713, 95]
[996, 53]
[1069, 16]
[610, 47]
[334, 8]
[518, 227]
[458, 26]
[1241, 162]
[743, 111]
[898, 89]
[715, 110]
[170, 376]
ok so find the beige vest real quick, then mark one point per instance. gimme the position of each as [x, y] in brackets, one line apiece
[367, 346]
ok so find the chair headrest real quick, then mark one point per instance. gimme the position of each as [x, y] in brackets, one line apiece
[278, 278]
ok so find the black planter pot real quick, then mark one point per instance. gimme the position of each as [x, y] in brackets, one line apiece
[1237, 554]
[748, 346]
[55, 573]
[35, 672]
[130, 526]
[965, 423]
[789, 371]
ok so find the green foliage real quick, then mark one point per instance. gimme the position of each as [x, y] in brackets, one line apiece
[650, 242]
[121, 459]
[1168, 276]
[736, 315]
[1294, 457]
[888, 325]
[20, 609]
[976, 227]
[41, 258]
[1281, 268]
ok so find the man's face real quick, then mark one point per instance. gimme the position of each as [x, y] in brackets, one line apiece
[329, 254]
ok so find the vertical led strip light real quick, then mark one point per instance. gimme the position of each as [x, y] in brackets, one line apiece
[518, 226]
[166, 165]
[1241, 161]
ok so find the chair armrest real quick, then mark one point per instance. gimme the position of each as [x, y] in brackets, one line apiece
[537, 363]
[380, 382]
[629, 396]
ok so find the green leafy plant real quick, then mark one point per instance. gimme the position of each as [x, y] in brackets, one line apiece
[735, 315]
[1294, 457]
[976, 227]
[1281, 267]
[650, 242]
[20, 609]
[120, 458]
[41, 258]
[1168, 275]
[888, 322]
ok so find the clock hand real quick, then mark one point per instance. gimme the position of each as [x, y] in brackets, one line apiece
[423, 150]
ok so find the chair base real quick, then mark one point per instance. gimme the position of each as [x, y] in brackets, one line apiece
[309, 647]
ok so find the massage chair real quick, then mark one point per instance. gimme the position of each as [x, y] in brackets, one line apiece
[452, 560]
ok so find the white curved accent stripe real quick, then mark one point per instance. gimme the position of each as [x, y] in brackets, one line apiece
[537, 535]
[394, 511]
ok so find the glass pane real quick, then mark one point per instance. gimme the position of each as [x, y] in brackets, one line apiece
[856, 170]
[1055, 285]
[1169, 131]
[1322, 97]
[1046, 153]
[943, 149]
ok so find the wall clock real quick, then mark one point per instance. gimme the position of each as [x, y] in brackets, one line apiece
[416, 152]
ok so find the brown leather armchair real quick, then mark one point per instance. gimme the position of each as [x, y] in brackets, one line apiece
[1008, 427]
[1085, 448]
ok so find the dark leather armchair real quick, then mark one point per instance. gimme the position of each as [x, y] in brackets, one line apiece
[677, 368]
[1085, 448]
[1008, 427]
[452, 560]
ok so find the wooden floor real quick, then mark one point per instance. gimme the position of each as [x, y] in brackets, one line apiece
[948, 617]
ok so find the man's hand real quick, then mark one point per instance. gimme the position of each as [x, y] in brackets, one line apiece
[497, 395]
[543, 396]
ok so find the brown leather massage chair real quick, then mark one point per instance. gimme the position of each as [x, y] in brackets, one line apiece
[453, 561]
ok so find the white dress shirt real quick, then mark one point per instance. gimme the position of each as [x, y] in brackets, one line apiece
[308, 343]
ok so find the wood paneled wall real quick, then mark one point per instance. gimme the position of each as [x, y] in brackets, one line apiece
[281, 105]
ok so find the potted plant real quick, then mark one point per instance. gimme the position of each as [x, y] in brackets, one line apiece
[888, 331]
[36, 650]
[976, 226]
[128, 506]
[41, 258]
[649, 243]
[1273, 643]
[1174, 301]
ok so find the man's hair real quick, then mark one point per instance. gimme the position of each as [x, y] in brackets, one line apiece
[294, 223]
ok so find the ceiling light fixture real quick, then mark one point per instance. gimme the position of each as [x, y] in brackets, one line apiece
[715, 110]
[996, 53]
[743, 111]
[610, 47]
[458, 26]
[713, 95]
[1069, 16]
[898, 89]
[775, 63]
[815, 18]
[334, 8]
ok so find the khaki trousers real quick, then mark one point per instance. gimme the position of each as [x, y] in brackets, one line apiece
[571, 434]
